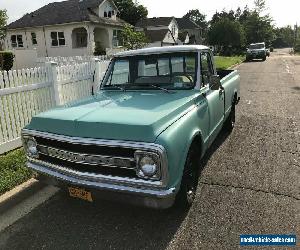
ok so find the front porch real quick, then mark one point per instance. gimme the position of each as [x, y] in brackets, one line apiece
[96, 40]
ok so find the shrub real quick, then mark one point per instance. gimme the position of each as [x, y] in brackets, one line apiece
[99, 51]
[297, 46]
[6, 60]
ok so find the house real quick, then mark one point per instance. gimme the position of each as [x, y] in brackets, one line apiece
[187, 26]
[160, 31]
[68, 28]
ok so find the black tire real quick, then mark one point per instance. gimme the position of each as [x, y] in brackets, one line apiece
[230, 121]
[264, 58]
[189, 182]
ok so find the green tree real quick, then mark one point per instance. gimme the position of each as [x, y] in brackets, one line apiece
[130, 11]
[3, 22]
[259, 28]
[133, 39]
[197, 17]
[284, 37]
[228, 34]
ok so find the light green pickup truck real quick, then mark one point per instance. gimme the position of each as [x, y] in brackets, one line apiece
[140, 137]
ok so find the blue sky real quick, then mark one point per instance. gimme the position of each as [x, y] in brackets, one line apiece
[284, 12]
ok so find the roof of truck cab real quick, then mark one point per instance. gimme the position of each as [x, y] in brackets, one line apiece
[161, 50]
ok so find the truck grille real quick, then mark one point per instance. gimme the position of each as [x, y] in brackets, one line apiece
[95, 159]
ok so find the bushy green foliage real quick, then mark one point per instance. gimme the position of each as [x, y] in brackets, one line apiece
[131, 11]
[6, 60]
[3, 22]
[133, 39]
[245, 26]
[297, 47]
[228, 34]
[12, 170]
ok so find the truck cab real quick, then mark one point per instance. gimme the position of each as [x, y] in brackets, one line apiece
[141, 137]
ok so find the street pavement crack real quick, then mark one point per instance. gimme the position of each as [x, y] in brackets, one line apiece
[250, 189]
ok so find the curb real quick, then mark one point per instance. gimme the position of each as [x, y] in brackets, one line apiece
[236, 65]
[21, 200]
[15, 196]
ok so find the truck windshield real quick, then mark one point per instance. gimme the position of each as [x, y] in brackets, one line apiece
[168, 71]
[257, 46]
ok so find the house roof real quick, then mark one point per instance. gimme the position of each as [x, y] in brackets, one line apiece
[160, 50]
[186, 23]
[154, 21]
[63, 12]
[156, 35]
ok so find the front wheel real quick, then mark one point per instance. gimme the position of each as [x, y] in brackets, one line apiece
[189, 182]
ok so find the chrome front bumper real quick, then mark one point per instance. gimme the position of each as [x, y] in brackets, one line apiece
[138, 195]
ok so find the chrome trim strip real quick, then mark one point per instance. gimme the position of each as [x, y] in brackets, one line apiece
[110, 143]
[159, 193]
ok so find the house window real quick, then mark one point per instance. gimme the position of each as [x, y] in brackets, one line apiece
[58, 39]
[109, 14]
[116, 38]
[105, 14]
[33, 39]
[173, 30]
[17, 41]
[79, 38]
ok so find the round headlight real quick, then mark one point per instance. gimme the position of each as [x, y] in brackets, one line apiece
[148, 166]
[31, 147]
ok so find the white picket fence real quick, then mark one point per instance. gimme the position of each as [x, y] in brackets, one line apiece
[61, 60]
[26, 92]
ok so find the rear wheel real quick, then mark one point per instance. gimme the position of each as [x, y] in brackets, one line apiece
[230, 121]
[189, 182]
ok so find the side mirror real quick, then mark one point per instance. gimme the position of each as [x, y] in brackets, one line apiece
[215, 82]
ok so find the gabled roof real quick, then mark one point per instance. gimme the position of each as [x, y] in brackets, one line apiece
[156, 35]
[154, 21]
[186, 23]
[63, 12]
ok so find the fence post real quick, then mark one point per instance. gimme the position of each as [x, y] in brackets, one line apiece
[97, 74]
[51, 66]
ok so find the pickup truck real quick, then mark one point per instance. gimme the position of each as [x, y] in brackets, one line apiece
[256, 51]
[141, 136]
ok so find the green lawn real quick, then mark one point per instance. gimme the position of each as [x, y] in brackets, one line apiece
[223, 62]
[12, 170]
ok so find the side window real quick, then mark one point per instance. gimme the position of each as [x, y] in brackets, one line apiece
[206, 68]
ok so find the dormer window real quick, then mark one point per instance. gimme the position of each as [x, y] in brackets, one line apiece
[109, 14]
[113, 13]
[105, 14]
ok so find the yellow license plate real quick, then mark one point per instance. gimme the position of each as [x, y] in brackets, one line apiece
[80, 193]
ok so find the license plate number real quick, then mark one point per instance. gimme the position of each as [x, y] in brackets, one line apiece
[80, 193]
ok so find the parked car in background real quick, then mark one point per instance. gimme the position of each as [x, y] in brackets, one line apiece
[141, 137]
[256, 51]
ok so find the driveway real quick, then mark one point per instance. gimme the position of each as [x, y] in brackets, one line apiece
[250, 184]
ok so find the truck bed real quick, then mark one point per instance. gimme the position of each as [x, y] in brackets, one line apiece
[224, 72]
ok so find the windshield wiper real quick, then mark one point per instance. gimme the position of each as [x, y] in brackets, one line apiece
[161, 88]
[116, 86]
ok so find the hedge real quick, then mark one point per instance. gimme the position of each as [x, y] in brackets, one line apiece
[6, 60]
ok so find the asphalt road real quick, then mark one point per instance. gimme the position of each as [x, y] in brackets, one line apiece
[250, 184]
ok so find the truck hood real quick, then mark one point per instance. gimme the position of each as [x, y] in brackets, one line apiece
[134, 116]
